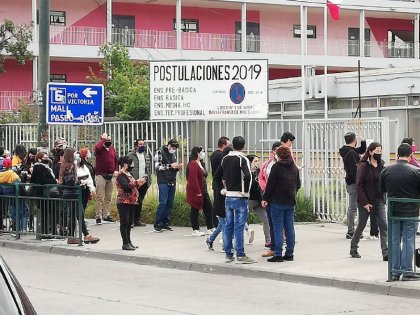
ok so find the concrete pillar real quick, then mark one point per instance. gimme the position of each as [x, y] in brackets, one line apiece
[362, 33]
[109, 21]
[178, 25]
[243, 27]
[416, 35]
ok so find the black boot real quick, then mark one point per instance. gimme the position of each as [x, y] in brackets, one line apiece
[129, 238]
[134, 246]
[127, 247]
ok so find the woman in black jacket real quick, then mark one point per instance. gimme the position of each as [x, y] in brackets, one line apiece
[282, 186]
[42, 174]
[369, 199]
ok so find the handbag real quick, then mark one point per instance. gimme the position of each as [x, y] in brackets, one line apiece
[417, 258]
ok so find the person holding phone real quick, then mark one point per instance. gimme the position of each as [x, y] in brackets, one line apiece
[142, 169]
[127, 199]
[370, 200]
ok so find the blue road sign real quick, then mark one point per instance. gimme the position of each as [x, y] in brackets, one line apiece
[75, 104]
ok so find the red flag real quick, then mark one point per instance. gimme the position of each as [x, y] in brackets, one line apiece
[334, 10]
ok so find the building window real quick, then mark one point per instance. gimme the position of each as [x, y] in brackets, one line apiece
[310, 32]
[59, 78]
[274, 107]
[188, 25]
[414, 100]
[56, 17]
[391, 101]
[292, 107]
[366, 103]
[340, 104]
[354, 42]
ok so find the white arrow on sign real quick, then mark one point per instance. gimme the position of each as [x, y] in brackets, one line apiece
[88, 92]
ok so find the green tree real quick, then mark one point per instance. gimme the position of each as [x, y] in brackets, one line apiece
[126, 86]
[14, 41]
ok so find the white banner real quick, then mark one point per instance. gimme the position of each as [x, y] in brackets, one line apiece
[216, 89]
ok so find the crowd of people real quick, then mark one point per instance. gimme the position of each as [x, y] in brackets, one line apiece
[368, 182]
[239, 183]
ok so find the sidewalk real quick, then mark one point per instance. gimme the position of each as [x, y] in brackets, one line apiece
[321, 256]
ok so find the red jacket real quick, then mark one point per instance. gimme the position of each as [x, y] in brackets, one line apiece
[106, 160]
[195, 185]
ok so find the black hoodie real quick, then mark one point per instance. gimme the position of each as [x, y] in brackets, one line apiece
[283, 183]
[351, 157]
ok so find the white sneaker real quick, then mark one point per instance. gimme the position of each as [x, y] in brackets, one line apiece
[251, 236]
[198, 233]
[210, 231]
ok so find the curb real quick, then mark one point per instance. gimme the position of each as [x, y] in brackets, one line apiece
[228, 269]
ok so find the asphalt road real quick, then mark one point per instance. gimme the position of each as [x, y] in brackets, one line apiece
[72, 285]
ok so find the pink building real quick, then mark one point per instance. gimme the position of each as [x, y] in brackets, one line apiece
[200, 29]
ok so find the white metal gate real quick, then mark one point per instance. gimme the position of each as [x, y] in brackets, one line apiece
[324, 172]
[316, 145]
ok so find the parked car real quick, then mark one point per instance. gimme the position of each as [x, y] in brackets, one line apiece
[13, 299]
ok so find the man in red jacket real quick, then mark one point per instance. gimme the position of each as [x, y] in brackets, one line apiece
[106, 168]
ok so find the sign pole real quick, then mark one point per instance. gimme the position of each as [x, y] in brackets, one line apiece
[44, 70]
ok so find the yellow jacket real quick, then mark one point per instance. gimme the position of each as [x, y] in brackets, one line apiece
[16, 161]
[8, 177]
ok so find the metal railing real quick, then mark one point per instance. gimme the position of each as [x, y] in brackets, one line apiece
[96, 36]
[77, 35]
[42, 210]
[391, 219]
[10, 100]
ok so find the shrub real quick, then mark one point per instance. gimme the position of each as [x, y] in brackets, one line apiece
[304, 210]
[181, 212]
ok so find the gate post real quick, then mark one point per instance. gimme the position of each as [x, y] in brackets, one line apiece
[306, 158]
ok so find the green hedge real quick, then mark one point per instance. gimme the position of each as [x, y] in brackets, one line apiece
[181, 211]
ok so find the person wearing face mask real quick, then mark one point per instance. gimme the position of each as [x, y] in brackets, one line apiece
[26, 171]
[197, 194]
[167, 167]
[127, 199]
[142, 169]
[263, 176]
[42, 174]
[350, 154]
[68, 178]
[255, 198]
[86, 156]
[370, 200]
[88, 188]
[59, 146]
[106, 169]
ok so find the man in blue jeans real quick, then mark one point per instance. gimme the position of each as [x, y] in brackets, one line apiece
[236, 171]
[166, 169]
[402, 180]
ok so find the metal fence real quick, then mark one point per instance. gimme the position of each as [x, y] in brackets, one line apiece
[316, 145]
[41, 210]
[324, 170]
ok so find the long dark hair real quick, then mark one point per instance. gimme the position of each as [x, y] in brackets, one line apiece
[68, 162]
[195, 151]
[124, 160]
[20, 151]
[370, 148]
